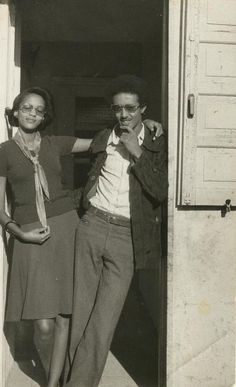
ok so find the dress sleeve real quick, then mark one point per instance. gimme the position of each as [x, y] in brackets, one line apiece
[64, 144]
[3, 161]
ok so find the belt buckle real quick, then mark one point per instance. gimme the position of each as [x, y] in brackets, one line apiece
[113, 218]
[110, 218]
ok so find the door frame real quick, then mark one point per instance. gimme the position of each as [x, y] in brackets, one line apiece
[10, 37]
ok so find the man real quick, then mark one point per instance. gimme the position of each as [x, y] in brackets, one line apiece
[120, 229]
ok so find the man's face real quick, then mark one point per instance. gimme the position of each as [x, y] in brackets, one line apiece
[127, 110]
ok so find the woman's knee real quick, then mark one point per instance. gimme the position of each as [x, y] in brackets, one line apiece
[44, 328]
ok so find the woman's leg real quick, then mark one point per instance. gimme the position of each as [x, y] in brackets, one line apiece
[43, 338]
[59, 349]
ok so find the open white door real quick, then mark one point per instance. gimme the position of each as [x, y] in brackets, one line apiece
[207, 157]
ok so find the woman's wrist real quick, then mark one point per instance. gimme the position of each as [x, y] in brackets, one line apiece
[10, 221]
[13, 228]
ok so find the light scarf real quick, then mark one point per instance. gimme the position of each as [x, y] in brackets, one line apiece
[40, 180]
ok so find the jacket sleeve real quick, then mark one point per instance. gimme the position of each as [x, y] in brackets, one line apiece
[151, 171]
[76, 196]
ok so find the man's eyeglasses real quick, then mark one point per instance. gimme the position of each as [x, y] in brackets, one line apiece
[128, 108]
[27, 109]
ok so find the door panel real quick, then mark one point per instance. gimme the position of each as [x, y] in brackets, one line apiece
[208, 135]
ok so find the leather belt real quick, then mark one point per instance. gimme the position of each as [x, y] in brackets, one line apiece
[109, 217]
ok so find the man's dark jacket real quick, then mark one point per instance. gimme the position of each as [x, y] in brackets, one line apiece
[148, 188]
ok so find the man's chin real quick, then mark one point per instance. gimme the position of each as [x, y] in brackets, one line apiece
[125, 127]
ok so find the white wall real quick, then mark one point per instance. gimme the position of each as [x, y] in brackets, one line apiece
[201, 271]
[9, 87]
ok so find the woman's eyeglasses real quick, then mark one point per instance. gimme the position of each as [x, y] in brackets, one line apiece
[27, 109]
[128, 108]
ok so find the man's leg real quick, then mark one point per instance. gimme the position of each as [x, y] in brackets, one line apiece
[116, 275]
[90, 242]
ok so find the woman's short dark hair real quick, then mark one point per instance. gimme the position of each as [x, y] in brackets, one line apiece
[49, 114]
[127, 84]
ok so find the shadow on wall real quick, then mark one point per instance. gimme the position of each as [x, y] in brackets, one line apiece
[19, 336]
[135, 344]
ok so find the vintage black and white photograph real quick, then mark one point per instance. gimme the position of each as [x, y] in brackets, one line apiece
[117, 193]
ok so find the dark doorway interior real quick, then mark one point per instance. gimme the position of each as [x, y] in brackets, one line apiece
[73, 48]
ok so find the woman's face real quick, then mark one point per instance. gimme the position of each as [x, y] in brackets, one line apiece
[31, 112]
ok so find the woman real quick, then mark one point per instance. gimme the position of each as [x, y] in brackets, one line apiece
[43, 224]
[41, 278]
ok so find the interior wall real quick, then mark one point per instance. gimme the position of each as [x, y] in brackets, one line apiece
[152, 73]
[77, 59]
[91, 21]
[41, 61]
